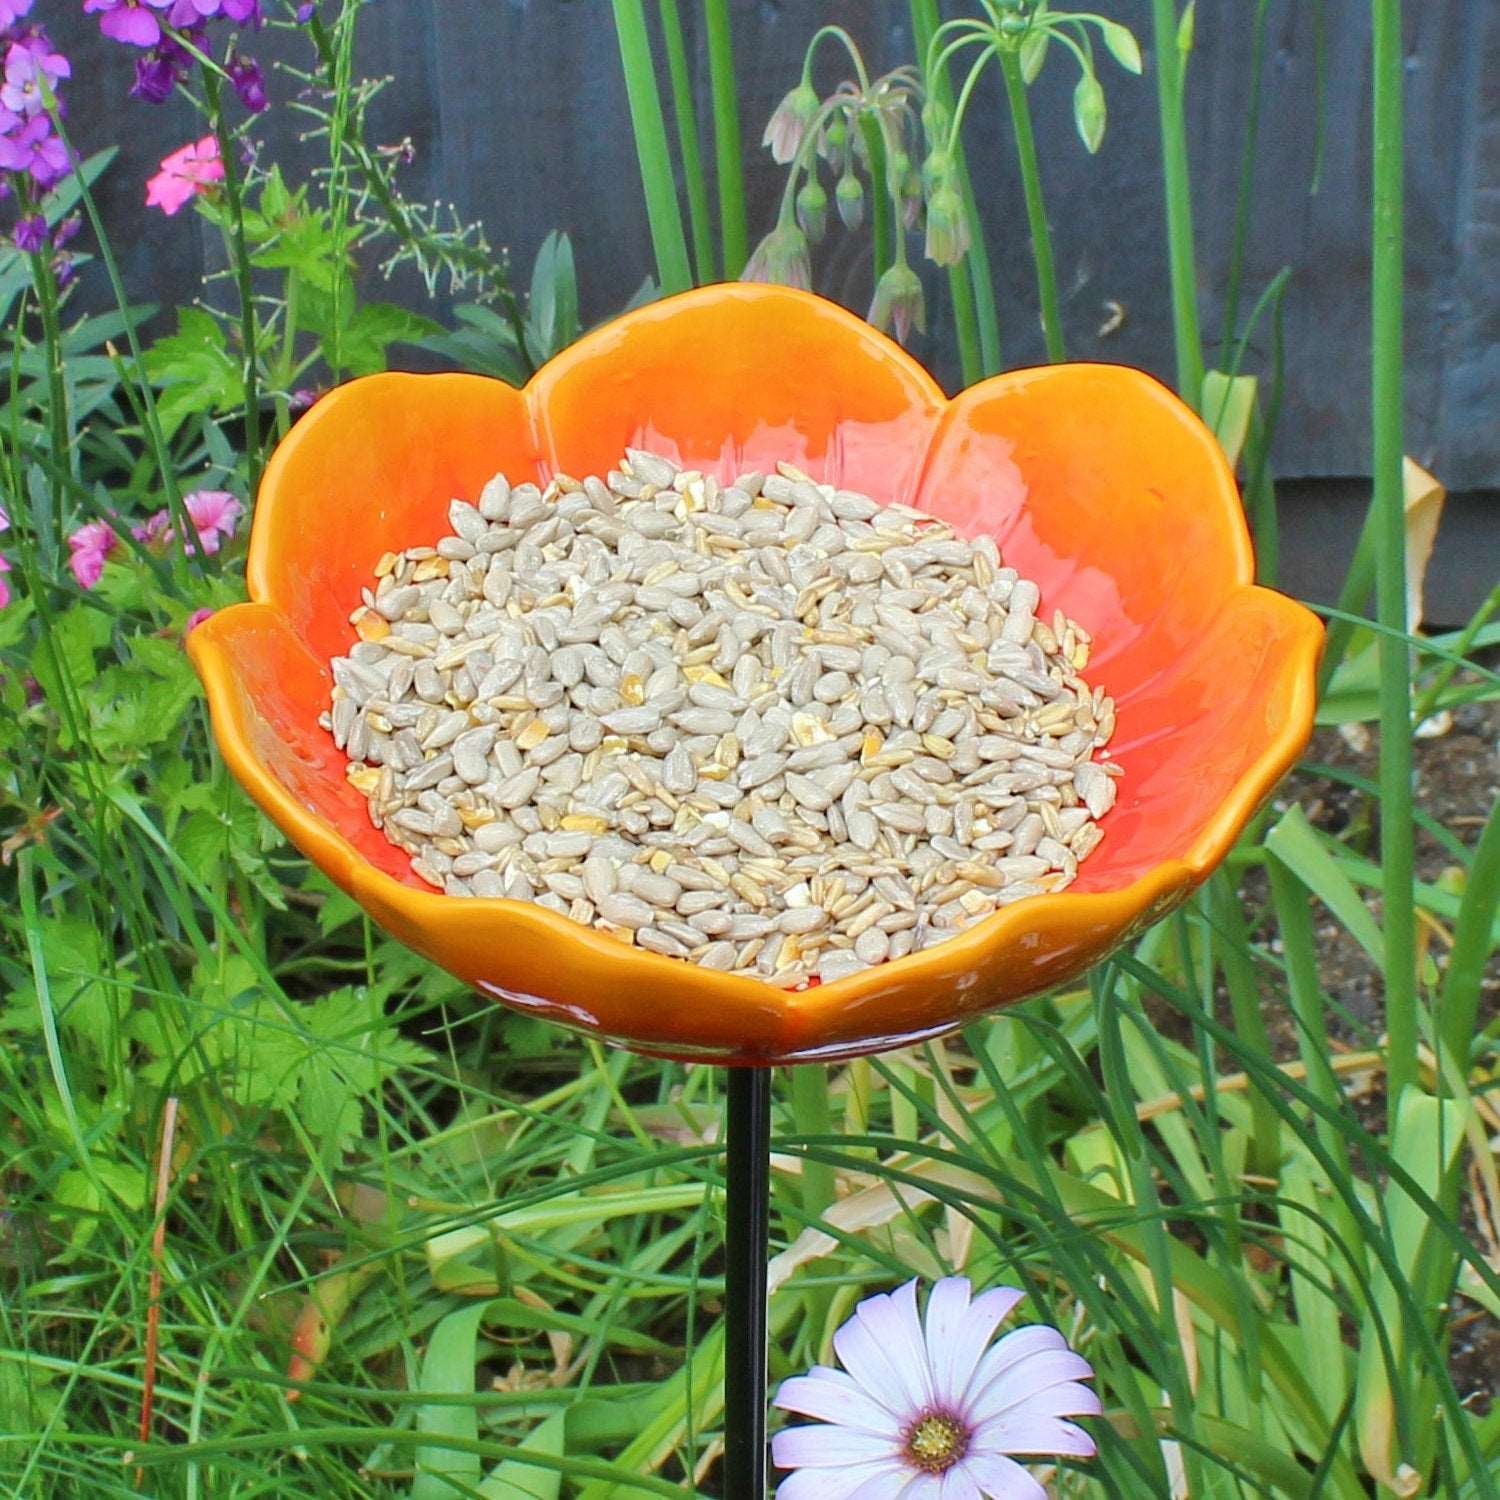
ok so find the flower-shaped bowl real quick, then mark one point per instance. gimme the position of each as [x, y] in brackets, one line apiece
[1097, 482]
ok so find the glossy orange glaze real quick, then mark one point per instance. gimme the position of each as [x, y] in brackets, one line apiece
[1096, 480]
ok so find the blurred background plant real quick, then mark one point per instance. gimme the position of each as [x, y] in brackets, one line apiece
[410, 1244]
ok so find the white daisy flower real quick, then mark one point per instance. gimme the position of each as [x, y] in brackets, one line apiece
[923, 1411]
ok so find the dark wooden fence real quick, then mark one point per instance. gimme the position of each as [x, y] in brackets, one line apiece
[516, 112]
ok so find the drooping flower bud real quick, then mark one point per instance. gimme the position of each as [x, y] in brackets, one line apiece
[899, 304]
[935, 168]
[849, 194]
[947, 225]
[937, 120]
[812, 209]
[834, 138]
[790, 122]
[781, 257]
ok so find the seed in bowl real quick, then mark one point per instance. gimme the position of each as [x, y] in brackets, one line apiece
[771, 727]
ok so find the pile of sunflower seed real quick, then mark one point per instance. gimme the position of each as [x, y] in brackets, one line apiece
[770, 727]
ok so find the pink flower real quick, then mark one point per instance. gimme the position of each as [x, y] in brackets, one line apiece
[156, 531]
[4, 586]
[214, 513]
[922, 1410]
[195, 619]
[11, 11]
[4, 519]
[89, 546]
[188, 171]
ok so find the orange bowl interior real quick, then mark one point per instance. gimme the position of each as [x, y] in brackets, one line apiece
[1095, 480]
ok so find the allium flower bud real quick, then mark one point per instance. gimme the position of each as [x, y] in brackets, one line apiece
[781, 257]
[789, 124]
[936, 168]
[899, 305]
[849, 194]
[812, 209]
[947, 225]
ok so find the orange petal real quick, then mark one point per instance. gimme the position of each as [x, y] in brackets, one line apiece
[1105, 490]
[370, 469]
[736, 377]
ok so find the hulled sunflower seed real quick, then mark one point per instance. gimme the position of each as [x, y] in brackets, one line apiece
[768, 726]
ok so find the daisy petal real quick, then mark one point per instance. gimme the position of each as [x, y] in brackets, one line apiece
[1014, 1384]
[827, 1446]
[881, 1347]
[958, 1330]
[1017, 1345]
[1001, 1478]
[958, 1484]
[876, 1481]
[1067, 1399]
[923, 1487]
[832, 1396]
[1021, 1432]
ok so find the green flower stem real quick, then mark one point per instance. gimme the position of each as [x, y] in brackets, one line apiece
[728, 167]
[855, 56]
[151, 424]
[1396, 839]
[893, 193]
[1458, 1005]
[1169, 91]
[57, 391]
[1036, 208]
[673, 273]
[962, 283]
[240, 257]
[978, 257]
[812, 1117]
[1222, 904]
[286, 361]
[1234, 281]
[881, 227]
[1446, 673]
[687, 141]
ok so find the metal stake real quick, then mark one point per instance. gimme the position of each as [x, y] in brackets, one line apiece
[747, 1222]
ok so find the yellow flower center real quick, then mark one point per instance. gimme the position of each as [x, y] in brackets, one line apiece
[936, 1442]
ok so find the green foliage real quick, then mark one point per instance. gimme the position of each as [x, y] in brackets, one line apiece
[482, 1254]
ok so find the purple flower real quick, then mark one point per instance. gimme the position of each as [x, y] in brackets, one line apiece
[33, 148]
[157, 73]
[249, 84]
[195, 619]
[925, 1412]
[63, 270]
[304, 12]
[155, 77]
[66, 231]
[11, 11]
[128, 21]
[30, 233]
[32, 69]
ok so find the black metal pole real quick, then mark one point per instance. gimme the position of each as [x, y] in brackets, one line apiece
[747, 1222]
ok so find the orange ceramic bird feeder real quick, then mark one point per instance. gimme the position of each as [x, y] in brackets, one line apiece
[1097, 483]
